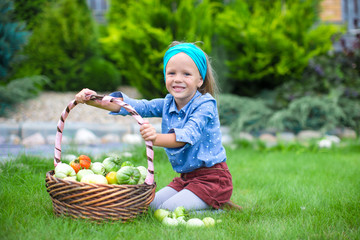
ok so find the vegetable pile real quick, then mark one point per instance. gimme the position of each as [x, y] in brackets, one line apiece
[112, 170]
[180, 217]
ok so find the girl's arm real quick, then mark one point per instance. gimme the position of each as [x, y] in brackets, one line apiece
[167, 140]
[81, 97]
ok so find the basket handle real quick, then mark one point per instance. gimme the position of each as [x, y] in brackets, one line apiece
[105, 99]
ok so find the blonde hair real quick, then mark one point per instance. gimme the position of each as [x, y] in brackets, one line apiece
[209, 84]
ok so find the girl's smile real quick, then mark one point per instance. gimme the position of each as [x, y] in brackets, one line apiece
[178, 88]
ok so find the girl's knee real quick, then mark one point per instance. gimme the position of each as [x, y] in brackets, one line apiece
[161, 196]
[169, 205]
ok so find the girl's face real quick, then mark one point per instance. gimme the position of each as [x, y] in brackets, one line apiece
[182, 78]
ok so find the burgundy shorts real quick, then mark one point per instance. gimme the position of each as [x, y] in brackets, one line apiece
[213, 185]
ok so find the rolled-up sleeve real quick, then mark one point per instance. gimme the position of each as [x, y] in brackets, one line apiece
[144, 108]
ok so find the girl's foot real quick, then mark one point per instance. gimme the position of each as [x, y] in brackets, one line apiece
[230, 205]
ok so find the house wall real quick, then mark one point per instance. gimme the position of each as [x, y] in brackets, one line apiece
[331, 11]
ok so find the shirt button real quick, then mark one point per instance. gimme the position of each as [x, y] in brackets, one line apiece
[179, 118]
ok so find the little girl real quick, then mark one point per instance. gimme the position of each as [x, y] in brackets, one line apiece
[190, 131]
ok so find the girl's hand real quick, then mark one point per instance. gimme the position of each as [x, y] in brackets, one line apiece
[82, 96]
[148, 132]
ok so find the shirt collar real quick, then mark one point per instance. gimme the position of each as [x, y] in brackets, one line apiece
[173, 107]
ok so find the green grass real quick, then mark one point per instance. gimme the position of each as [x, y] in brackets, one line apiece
[286, 194]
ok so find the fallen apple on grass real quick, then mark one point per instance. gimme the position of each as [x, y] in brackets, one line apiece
[195, 222]
[160, 214]
[209, 221]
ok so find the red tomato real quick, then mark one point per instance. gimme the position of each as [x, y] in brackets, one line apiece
[85, 161]
[82, 162]
[75, 165]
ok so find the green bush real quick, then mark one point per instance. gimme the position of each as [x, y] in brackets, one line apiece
[19, 90]
[266, 44]
[316, 113]
[351, 117]
[139, 32]
[99, 74]
[12, 38]
[335, 74]
[323, 113]
[62, 45]
[29, 11]
[228, 108]
[242, 113]
[322, 76]
[136, 46]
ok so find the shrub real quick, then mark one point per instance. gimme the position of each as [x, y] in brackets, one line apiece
[99, 74]
[243, 114]
[317, 113]
[254, 115]
[12, 38]
[323, 113]
[19, 90]
[139, 32]
[335, 74]
[351, 117]
[228, 108]
[29, 11]
[323, 75]
[266, 44]
[61, 43]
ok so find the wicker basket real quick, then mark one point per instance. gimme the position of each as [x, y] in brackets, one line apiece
[99, 201]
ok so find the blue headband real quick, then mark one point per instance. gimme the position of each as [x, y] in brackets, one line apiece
[196, 54]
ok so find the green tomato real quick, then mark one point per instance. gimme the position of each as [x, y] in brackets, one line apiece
[63, 170]
[127, 163]
[98, 168]
[82, 173]
[143, 172]
[112, 164]
[128, 175]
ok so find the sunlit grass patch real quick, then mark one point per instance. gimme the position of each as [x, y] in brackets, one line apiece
[286, 194]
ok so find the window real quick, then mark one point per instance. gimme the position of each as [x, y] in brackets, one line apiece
[98, 8]
[351, 14]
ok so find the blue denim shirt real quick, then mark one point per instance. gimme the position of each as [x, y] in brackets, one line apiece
[197, 124]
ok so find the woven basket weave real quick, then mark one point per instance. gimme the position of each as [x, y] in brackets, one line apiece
[100, 201]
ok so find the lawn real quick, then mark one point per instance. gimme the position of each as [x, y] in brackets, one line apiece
[288, 193]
